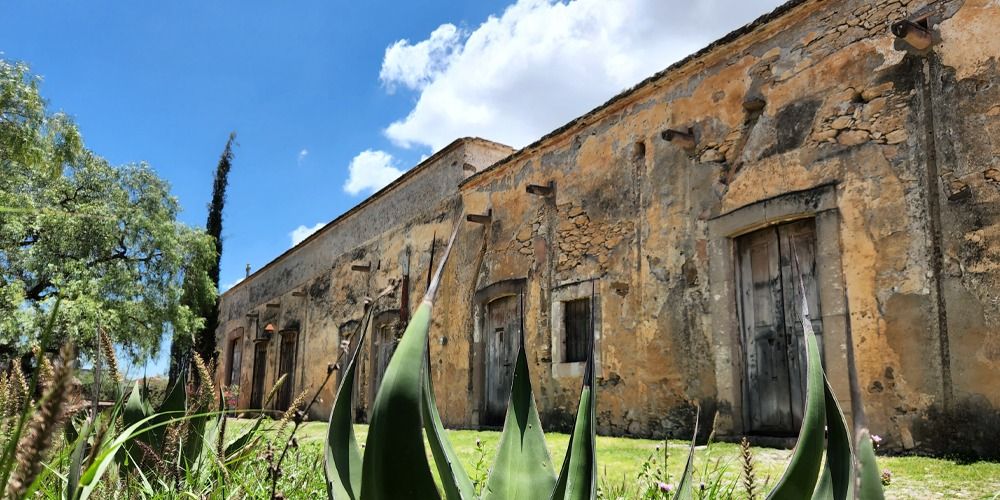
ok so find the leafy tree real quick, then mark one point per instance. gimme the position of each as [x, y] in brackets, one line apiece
[103, 240]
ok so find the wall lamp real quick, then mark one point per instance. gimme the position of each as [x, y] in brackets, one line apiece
[683, 139]
[915, 32]
[540, 190]
[480, 218]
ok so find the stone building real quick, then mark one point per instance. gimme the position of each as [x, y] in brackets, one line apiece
[813, 142]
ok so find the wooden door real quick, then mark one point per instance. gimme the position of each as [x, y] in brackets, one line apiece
[286, 365]
[384, 343]
[502, 331]
[235, 362]
[769, 308]
[259, 367]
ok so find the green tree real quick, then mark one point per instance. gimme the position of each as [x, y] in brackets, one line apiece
[203, 341]
[104, 240]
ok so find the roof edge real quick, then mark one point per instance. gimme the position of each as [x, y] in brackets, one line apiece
[730, 37]
[419, 167]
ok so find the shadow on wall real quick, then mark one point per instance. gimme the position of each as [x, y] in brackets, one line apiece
[969, 431]
[676, 423]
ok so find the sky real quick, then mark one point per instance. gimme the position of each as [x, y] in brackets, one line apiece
[333, 100]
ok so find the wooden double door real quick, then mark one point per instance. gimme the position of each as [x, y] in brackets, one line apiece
[502, 336]
[385, 338]
[771, 263]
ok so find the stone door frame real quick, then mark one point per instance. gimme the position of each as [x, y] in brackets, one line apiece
[819, 203]
[477, 372]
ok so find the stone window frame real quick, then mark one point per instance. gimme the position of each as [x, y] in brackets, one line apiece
[819, 203]
[566, 292]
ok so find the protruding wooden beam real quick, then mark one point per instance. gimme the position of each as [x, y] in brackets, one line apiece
[480, 218]
[362, 268]
[915, 32]
[541, 190]
[683, 139]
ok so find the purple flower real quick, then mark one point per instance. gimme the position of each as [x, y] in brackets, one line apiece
[886, 477]
[666, 488]
[876, 440]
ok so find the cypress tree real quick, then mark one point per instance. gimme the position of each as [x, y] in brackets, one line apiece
[204, 340]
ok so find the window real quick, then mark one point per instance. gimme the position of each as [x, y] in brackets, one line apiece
[576, 328]
[577, 331]
[235, 361]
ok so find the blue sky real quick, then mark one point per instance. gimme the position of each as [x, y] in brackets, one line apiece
[331, 100]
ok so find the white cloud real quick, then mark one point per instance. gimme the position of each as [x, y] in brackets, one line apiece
[302, 232]
[542, 63]
[227, 286]
[302, 156]
[371, 171]
[415, 65]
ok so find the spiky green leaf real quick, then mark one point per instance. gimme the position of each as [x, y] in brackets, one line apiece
[578, 476]
[869, 477]
[395, 462]
[800, 478]
[685, 488]
[836, 481]
[342, 457]
[522, 467]
[454, 478]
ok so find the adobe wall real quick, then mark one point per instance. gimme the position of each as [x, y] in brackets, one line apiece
[313, 290]
[894, 132]
[817, 111]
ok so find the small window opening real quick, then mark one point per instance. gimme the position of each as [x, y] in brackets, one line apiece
[576, 322]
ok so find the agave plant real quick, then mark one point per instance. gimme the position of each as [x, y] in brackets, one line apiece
[825, 464]
[395, 463]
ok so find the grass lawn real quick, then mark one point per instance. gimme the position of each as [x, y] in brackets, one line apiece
[621, 459]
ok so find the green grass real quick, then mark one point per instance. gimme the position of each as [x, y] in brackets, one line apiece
[621, 459]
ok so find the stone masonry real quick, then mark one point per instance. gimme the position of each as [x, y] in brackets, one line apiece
[887, 156]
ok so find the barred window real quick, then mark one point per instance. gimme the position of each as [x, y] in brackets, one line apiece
[577, 331]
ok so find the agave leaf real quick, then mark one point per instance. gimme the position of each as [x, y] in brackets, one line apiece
[342, 457]
[172, 406]
[800, 478]
[454, 478]
[135, 410]
[685, 488]
[243, 440]
[76, 459]
[837, 480]
[578, 477]
[869, 477]
[91, 477]
[522, 467]
[395, 462]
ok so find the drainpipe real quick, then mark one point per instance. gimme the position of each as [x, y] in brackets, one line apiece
[926, 75]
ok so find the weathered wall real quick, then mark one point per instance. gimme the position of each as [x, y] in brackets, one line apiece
[846, 104]
[817, 111]
[312, 289]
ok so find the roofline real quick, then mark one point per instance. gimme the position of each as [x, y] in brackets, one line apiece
[730, 37]
[420, 167]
